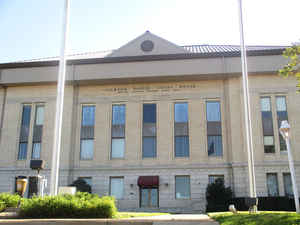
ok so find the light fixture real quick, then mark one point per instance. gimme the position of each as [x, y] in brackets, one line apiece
[285, 129]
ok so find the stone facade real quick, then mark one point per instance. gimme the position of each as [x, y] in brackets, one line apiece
[83, 87]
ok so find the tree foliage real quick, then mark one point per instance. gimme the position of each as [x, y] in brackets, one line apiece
[218, 196]
[292, 68]
[81, 186]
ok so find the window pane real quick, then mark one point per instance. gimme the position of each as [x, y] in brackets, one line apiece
[288, 186]
[87, 149]
[154, 197]
[272, 184]
[39, 118]
[88, 115]
[26, 115]
[182, 186]
[118, 114]
[117, 147]
[144, 197]
[268, 140]
[117, 187]
[280, 103]
[182, 146]
[181, 112]
[265, 104]
[213, 112]
[22, 151]
[149, 113]
[214, 144]
[36, 151]
[149, 147]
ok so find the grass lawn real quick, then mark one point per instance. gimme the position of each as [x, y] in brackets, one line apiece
[123, 215]
[260, 218]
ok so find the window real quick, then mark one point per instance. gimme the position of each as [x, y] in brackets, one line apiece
[149, 130]
[288, 185]
[214, 128]
[24, 132]
[117, 187]
[281, 116]
[37, 132]
[87, 132]
[267, 122]
[213, 178]
[272, 184]
[118, 131]
[182, 187]
[181, 130]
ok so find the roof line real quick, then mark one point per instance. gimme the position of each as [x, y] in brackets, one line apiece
[143, 58]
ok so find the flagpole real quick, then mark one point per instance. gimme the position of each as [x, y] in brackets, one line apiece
[59, 104]
[248, 126]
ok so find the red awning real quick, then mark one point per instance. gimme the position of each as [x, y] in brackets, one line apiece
[148, 181]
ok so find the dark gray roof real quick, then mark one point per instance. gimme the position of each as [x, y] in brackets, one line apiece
[196, 51]
[228, 48]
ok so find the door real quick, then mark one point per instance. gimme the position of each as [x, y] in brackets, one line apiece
[149, 197]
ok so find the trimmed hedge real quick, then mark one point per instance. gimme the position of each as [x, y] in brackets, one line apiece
[2, 206]
[10, 200]
[81, 205]
[264, 204]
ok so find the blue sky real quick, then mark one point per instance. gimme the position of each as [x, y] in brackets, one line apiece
[32, 28]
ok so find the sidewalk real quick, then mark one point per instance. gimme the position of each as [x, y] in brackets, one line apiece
[178, 219]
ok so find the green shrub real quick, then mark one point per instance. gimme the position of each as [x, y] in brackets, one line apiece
[2, 206]
[218, 196]
[10, 200]
[81, 205]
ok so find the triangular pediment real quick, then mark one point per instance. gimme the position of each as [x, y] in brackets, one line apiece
[148, 44]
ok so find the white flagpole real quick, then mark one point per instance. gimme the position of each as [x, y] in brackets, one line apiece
[248, 126]
[59, 104]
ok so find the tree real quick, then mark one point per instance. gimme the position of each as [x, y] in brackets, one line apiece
[81, 186]
[218, 196]
[292, 68]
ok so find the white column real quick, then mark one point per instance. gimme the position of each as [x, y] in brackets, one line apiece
[248, 126]
[59, 104]
[293, 175]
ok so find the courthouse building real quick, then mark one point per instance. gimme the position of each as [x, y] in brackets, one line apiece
[152, 123]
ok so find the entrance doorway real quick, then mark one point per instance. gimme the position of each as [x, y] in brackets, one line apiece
[149, 197]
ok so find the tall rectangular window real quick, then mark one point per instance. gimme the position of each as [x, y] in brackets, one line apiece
[288, 186]
[267, 122]
[37, 132]
[149, 130]
[181, 130]
[117, 187]
[281, 116]
[272, 184]
[214, 128]
[87, 132]
[24, 132]
[118, 131]
[182, 187]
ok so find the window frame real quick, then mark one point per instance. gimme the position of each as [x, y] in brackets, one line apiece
[36, 106]
[123, 191]
[81, 127]
[111, 131]
[186, 155]
[277, 184]
[207, 101]
[142, 133]
[189, 188]
[20, 130]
